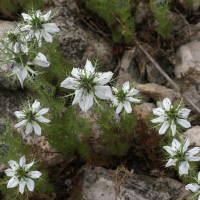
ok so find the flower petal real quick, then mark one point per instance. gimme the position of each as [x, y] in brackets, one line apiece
[89, 68]
[164, 127]
[126, 86]
[22, 161]
[19, 114]
[34, 174]
[193, 151]
[103, 92]
[38, 35]
[51, 28]
[26, 17]
[29, 128]
[176, 144]
[199, 176]
[70, 83]
[133, 92]
[159, 119]
[167, 104]
[22, 123]
[186, 145]
[35, 105]
[27, 167]
[75, 72]
[173, 128]
[171, 162]
[131, 99]
[103, 78]
[184, 113]
[127, 106]
[193, 158]
[26, 28]
[21, 74]
[184, 123]
[13, 164]
[46, 16]
[193, 187]
[42, 119]
[170, 150]
[42, 112]
[86, 102]
[77, 98]
[13, 182]
[41, 60]
[47, 36]
[183, 168]
[9, 172]
[158, 111]
[30, 184]
[119, 108]
[115, 90]
[22, 186]
[37, 128]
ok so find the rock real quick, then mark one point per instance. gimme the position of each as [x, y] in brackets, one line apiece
[142, 12]
[128, 70]
[187, 56]
[153, 75]
[193, 134]
[144, 109]
[47, 154]
[97, 183]
[79, 42]
[195, 6]
[158, 92]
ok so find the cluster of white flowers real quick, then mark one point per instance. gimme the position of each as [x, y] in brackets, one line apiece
[87, 83]
[17, 43]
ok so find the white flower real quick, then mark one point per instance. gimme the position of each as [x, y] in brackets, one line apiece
[194, 187]
[123, 97]
[170, 116]
[30, 117]
[21, 175]
[38, 27]
[21, 62]
[87, 82]
[180, 154]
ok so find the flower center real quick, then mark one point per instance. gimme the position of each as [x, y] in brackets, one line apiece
[12, 37]
[87, 83]
[180, 156]
[21, 173]
[37, 23]
[121, 95]
[172, 113]
[30, 116]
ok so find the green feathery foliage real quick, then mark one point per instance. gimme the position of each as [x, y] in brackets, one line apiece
[116, 131]
[14, 6]
[160, 9]
[109, 10]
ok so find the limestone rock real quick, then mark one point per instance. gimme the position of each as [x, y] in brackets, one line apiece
[158, 92]
[128, 70]
[187, 56]
[194, 135]
[144, 109]
[79, 42]
[98, 184]
[142, 12]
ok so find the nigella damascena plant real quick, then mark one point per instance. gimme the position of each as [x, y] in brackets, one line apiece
[124, 97]
[36, 25]
[180, 157]
[31, 116]
[21, 175]
[23, 60]
[87, 83]
[194, 187]
[171, 117]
